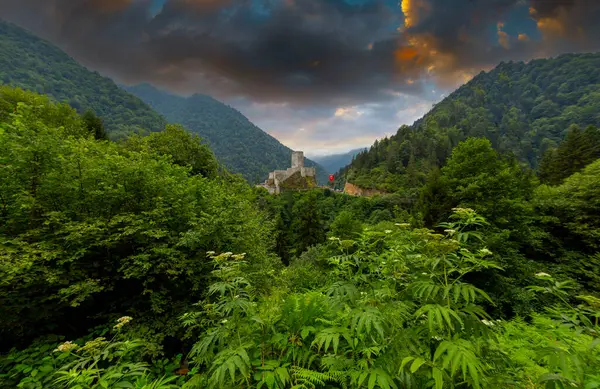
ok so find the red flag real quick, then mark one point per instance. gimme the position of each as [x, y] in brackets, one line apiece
[331, 177]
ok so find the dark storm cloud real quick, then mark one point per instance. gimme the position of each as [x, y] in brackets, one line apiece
[568, 25]
[304, 49]
[317, 51]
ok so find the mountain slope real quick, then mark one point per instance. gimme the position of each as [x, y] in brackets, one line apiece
[524, 109]
[238, 143]
[334, 162]
[32, 63]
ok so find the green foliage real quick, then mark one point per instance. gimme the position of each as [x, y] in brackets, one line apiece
[84, 364]
[496, 187]
[345, 226]
[184, 147]
[31, 63]
[90, 229]
[569, 213]
[94, 125]
[579, 149]
[303, 219]
[390, 298]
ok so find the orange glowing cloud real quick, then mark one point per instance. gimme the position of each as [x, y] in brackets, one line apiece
[523, 37]
[548, 26]
[408, 11]
[412, 10]
[405, 54]
[503, 37]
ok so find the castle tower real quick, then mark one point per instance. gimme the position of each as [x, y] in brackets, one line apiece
[297, 159]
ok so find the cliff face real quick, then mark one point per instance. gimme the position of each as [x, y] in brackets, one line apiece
[354, 190]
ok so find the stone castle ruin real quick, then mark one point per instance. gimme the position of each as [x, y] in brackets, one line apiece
[297, 177]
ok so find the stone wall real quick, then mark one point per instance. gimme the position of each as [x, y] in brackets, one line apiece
[297, 181]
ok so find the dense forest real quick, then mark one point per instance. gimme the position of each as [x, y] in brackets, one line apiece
[31, 63]
[142, 264]
[238, 143]
[523, 109]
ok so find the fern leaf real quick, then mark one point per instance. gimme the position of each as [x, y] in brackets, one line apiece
[460, 354]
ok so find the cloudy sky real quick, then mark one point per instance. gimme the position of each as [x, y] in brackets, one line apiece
[324, 76]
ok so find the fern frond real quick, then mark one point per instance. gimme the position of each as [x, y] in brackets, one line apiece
[425, 290]
[375, 378]
[468, 293]
[228, 363]
[457, 355]
[331, 336]
[439, 317]
[343, 291]
[364, 321]
[312, 378]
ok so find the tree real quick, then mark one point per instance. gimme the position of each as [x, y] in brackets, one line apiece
[345, 226]
[185, 149]
[307, 225]
[94, 125]
[579, 149]
[496, 186]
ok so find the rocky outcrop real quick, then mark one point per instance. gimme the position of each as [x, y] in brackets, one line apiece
[354, 190]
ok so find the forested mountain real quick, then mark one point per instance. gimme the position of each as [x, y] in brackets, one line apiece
[522, 108]
[238, 143]
[32, 63]
[334, 162]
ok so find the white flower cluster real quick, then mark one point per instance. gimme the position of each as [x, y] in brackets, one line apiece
[489, 323]
[122, 321]
[67, 346]
[463, 210]
[485, 251]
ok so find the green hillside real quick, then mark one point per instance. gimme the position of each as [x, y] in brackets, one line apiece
[523, 108]
[238, 143]
[32, 63]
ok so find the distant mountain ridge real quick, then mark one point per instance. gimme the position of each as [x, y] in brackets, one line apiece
[29, 62]
[334, 162]
[239, 144]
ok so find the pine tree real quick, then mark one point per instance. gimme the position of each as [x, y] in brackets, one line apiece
[308, 226]
[579, 149]
[94, 125]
